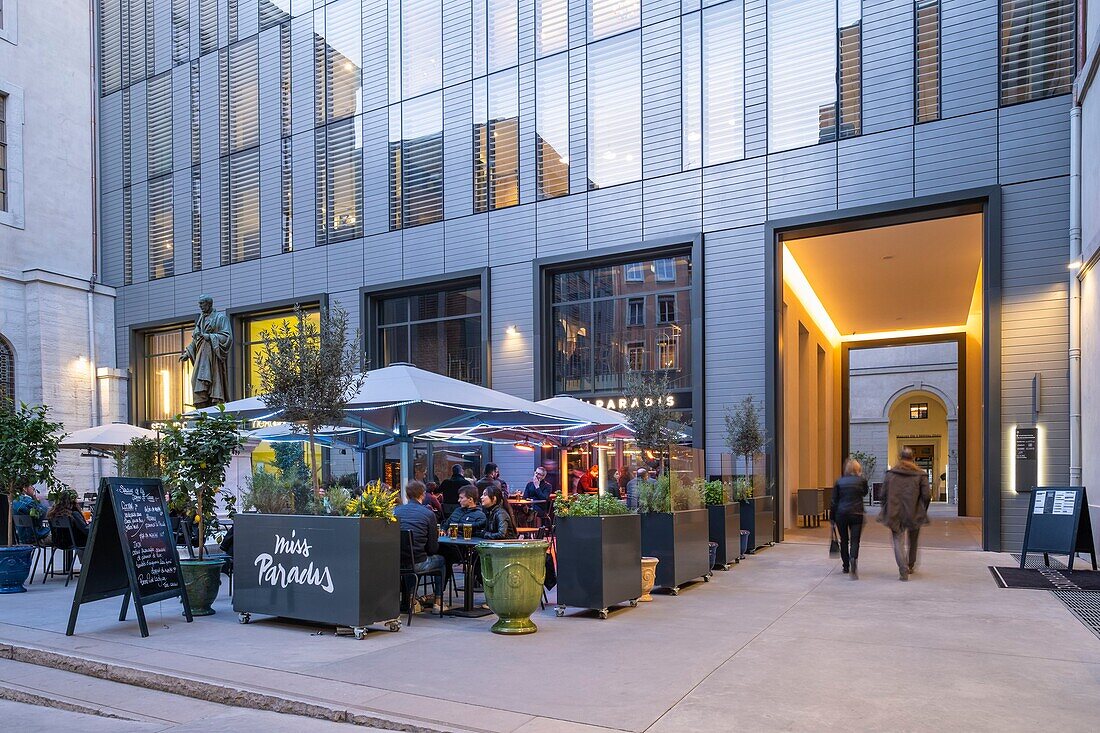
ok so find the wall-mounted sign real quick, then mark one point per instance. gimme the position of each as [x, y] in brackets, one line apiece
[1027, 459]
[623, 403]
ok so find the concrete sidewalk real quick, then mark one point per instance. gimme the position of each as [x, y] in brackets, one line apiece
[781, 642]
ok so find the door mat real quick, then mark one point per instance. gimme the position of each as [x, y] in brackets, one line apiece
[1047, 579]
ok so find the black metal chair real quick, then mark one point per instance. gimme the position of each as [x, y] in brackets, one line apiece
[64, 539]
[181, 531]
[31, 525]
[409, 571]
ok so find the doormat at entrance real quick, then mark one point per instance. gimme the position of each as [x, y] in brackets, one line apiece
[1046, 579]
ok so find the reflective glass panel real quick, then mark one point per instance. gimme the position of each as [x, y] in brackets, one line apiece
[552, 126]
[802, 78]
[606, 17]
[614, 111]
[551, 26]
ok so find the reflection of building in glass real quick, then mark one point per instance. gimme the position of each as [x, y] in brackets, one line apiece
[436, 330]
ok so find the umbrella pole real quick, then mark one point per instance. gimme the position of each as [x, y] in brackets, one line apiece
[601, 464]
[563, 470]
[406, 448]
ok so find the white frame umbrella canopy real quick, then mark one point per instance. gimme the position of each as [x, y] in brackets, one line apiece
[105, 438]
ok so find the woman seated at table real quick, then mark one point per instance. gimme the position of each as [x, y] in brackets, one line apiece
[501, 523]
[67, 506]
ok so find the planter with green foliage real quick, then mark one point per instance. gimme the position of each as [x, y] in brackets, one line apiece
[675, 530]
[757, 515]
[599, 551]
[342, 570]
[196, 458]
[724, 518]
[29, 443]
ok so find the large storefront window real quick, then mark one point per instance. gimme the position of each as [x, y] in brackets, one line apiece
[167, 380]
[611, 320]
[257, 331]
[438, 330]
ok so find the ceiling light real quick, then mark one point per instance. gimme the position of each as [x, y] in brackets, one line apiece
[524, 445]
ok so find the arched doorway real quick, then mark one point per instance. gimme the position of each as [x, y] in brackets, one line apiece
[920, 420]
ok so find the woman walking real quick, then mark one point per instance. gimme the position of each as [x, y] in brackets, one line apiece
[847, 511]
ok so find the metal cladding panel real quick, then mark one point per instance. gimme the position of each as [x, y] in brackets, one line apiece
[422, 251]
[181, 221]
[244, 283]
[801, 181]
[578, 113]
[735, 355]
[561, 225]
[161, 299]
[110, 237]
[181, 117]
[248, 18]
[271, 200]
[209, 124]
[887, 64]
[270, 86]
[136, 304]
[110, 143]
[376, 54]
[466, 243]
[661, 137]
[382, 258]
[512, 234]
[345, 265]
[310, 270]
[656, 11]
[276, 277]
[968, 56]
[139, 135]
[457, 30]
[527, 133]
[186, 295]
[376, 172]
[615, 215]
[1034, 335]
[1033, 140]
[210, 190]
[304, 192]
[578, 22]
[876, 168]
[956, 153]
[458, 146]
[302, 73]
[139, 197]
[756, 77]
[672, 205]
[513, 371]
[734, 194]
[349, 301]
[162, 37]
[525, 31]
[216, 283]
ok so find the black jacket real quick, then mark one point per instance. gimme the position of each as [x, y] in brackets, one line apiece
[421, 521]
[848, 493]
[539, 493]
[449, 488]
[462, 516]
[499, 526]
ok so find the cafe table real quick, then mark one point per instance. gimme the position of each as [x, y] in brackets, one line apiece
[469, 556]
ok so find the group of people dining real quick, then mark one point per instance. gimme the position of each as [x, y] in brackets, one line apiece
[47, 515]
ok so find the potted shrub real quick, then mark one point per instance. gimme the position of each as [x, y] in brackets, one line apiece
[675, 531]
[343, 570]
[724, 518]
[268, 493]
[196, 458]
[757, 515]
[29, 442]
[599, 552]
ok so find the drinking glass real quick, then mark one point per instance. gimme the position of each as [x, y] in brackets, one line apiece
[454, 531]
[467, 531]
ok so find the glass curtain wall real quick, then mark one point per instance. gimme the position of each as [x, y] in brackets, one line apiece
[713, 97]
[615, 110]
[552, 126]
[438, 330]
[159, 124]
[1037, 49]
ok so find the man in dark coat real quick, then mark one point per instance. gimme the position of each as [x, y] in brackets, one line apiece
[905, 500]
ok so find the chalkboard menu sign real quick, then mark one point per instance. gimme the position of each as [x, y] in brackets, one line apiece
[131, 551]
[1058, 522]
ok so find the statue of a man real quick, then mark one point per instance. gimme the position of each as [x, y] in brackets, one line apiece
[209, 352]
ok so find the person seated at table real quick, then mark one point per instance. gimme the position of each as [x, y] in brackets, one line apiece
[28, 504]
[538, 489]
[501, 524]
[589, 483]
[421, 522]
[452, 484]
[67, 506]
[613, 485]
[433, 499]
[468, 511]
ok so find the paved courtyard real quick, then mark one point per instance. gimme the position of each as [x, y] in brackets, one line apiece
[783, 641]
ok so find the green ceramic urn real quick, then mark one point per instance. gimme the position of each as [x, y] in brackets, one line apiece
[513, 573]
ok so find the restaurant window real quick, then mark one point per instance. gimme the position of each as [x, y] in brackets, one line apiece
[416, 161]
[714, 82]
[918, 411]
[257, 331]
[161, 254]
[552, 126]
[927, 50]
[607, 17]
[615, 111]
[814, 72]
[167, 381]
[416, 48]
[1037, 49]
[551, 26]
[496, 141]
[437, 330]
[597, 337]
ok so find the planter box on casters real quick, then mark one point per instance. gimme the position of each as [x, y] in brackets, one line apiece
[680, 541]
[599, 561]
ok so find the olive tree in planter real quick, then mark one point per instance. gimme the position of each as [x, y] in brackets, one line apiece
[308, 372]
[650, 417]
[724, 517]
[29, 442]
[599, 552]
[675, 530]
[196, 458]
[745, 438]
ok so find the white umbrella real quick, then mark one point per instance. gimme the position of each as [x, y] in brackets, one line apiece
[105, 438]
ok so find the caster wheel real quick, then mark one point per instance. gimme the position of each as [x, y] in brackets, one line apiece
[359, 633]
[674, 590]
[244, 618]
[633, 602]
[603, 613]
[559, 611]
[393, 625]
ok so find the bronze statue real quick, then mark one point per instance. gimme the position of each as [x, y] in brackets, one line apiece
[209, 352]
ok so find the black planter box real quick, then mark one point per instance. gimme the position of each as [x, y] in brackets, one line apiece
[758, 517]
[350, 576]
[599, 561]
[725, 529]
[680, 541]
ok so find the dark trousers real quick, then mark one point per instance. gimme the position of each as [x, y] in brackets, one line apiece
[849, 527]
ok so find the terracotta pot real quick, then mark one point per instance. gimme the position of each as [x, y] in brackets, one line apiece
[202, 581]
[513, 574]
[649, 575]
[15, 566]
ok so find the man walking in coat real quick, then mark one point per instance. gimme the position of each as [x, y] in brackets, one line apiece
[905, 509]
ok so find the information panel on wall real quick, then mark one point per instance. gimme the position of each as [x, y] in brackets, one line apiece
[1058, 522]
[1027, 459]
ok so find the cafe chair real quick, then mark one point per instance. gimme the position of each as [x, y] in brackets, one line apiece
[32, 525]
[418, 577]
[61, 529]
[181, 531]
